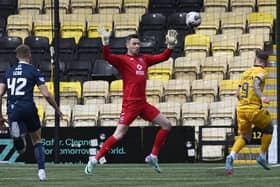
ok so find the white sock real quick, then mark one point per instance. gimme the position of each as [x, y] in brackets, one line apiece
[153, 156]
[263, 155]
[233, 155]
[93, 160]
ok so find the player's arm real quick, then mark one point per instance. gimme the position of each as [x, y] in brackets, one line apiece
[257, 89]
[2, 92]
[237, 94]
[48, 96]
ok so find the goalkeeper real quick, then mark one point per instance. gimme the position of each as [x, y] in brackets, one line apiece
[133, 70]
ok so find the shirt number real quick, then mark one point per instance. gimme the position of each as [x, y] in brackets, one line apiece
[16, 85]
[245, 89]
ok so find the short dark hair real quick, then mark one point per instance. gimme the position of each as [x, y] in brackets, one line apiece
[262, 55]
[129, 37]
[23, 51]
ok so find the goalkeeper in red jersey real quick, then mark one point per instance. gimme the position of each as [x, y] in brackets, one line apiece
[133, 70]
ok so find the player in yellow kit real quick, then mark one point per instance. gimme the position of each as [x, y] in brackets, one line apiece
[250, 111]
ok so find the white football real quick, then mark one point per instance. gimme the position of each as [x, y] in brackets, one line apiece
[193, 19]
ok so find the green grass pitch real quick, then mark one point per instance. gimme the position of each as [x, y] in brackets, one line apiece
[125, 175]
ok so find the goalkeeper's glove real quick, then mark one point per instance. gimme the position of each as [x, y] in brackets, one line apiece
[171, 38]
[105, 35]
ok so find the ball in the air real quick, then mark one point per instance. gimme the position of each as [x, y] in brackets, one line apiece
[193, 19]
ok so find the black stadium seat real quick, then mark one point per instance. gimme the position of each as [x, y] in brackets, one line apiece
[189, 5]
[89, 48]
[118, 45]
[148, 45]
[102, 70]
[7, 48]
[79, 70]
[8, 7]
[67, 50]
[165, 7]
[2, 26]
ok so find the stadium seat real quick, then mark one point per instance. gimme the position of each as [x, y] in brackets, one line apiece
[83, 6]
[212, 152]
[233, 23]
[109, 6]
[2, 26]
[165, 7]
[47, 70]
[50, 116]
[195, 114]
[261, 23]
[118, 45]
[136, 6]
[177, 91]
[41, 112]
[271, 72]
[162, 71]
[267, 6]
[39, 46]
[139, 122]
[43, 26]
[223, 44]
[85, 115]
[197, 42]
[238, 64]
[4, 65]
[204, 90]
[148, 45]
[189, 5]
[79, 70]
[67, 50]
[215, 68]
[7, 48]
[116, 91]
[125, 24]
[89, 48]
[186, 68]
[63, 6]
[210, 24]
[172, 111]
[96, 91]
[270, 83]
[228, 89]
[70, 92]
[30, 7]
[102, 70]
[19, 25]
[244, 6]
[110, 114]
[73, 25]
[215, 5]
[250, 42]
[154, 91]
[8, 7]
[222, 113]
[95, 20]
[270, 94]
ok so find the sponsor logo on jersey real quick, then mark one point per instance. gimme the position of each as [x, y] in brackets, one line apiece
[139, 70]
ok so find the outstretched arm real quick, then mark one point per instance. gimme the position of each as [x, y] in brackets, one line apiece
[257, 89]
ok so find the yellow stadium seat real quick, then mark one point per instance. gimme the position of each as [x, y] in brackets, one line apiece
[239, 64]
[109, 6]
[30, 7]
[85, 115]
[161, 71]
[43, 26]
[19, 25]
[228, 89]
[204, 90]
[95, 20]
[271, 72]
[197, 42]
[50, 116]
[70, 92]
[154, 91]
[186, 68]
[215, 5]
[39, 98]
[177, 91]
[210, 23]
[171, 110]
[244, 6]
[233, 23]
[267, 6]
[96, 91]
[261, 23]
[41, 112]
[63, 6]
[116, 91]
[136, 6]
[125, 24]
[250, 42]
[215, 68]
[83, 6]
[73, 25]
[222, 113]
[223, 44]
[139, 122]
[110, 114]
[271, 83]
[271, 94]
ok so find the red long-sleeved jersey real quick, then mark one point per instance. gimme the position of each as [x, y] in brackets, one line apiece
[133, 70]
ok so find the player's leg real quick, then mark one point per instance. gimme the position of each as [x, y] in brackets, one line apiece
[263, 121]
[245, 130]
[152, 114]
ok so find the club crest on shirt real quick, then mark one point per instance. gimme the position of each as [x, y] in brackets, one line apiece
[141, 60]
[139, 70]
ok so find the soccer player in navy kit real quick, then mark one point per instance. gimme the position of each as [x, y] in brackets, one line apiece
[19, 82]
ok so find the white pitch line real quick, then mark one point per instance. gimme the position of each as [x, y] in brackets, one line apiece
[248, 166]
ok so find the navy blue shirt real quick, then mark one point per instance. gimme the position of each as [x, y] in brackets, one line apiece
[20, 81]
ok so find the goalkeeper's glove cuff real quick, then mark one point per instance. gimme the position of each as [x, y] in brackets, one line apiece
[105, 40]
